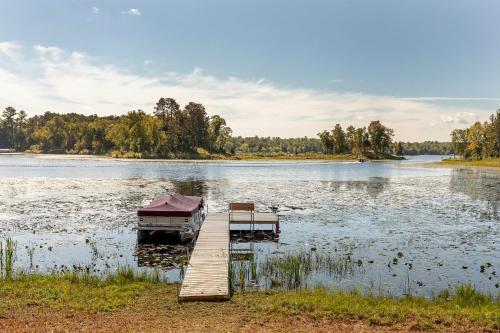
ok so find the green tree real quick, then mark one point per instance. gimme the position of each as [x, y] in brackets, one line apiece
[9, 122]
[492, 136]
[326, 142]
[218, 134]
[198, 125]
[165, 110]
[380, 137]
[349, 137]
[339, 141]
[459, 141]
[359, 144]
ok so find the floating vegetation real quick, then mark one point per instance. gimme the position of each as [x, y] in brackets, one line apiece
[161, 255]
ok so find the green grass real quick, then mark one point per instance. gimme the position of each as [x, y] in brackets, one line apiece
[489, 162]
[465, 306]
[462, 307]
[78, 290]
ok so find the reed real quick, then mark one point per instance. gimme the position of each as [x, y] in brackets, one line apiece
[31, 254]
[242, 274]
[293, 270]
[7, 258]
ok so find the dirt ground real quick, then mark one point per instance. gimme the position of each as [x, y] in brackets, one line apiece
[162, 314]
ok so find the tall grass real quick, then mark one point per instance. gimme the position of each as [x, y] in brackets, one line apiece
[467, 295]
[31, 254]
[290, 271]
[293, 270]
[7, 258]
[84, 275]
[121, 276]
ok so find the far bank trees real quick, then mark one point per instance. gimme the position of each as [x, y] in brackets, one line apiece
[358, 141]
[171, 131]
[479, 141]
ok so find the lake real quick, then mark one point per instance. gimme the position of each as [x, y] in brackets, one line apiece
[393, 227]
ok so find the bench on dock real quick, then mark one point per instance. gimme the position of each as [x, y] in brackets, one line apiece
[244, 213]
[241, 212]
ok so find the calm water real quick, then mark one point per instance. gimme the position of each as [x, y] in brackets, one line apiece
[441, 224]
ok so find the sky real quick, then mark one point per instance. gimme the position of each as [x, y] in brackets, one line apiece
[270, 67]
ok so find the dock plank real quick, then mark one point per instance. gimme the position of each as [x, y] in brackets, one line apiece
[207, 274]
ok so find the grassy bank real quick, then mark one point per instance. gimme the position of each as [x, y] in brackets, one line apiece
[490, 162]
[298, 157]
[202, 155]
[124, 301]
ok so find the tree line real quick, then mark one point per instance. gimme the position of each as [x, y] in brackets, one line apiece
[427, 148]
[375, 139]
[274, 145]
[305, 145]
[479, 141]
[171, 131]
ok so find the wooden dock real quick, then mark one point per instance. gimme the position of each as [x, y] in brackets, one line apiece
[207, 274]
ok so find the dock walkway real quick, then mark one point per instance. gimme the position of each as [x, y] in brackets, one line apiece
[207, 274]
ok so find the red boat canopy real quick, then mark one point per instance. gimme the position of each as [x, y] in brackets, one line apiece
[172, 205]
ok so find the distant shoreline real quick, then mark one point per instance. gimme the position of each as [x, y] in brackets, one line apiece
[485, 163]
[236, 158]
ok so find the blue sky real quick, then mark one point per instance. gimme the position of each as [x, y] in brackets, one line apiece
[287, 68]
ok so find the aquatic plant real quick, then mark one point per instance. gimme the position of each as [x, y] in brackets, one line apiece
[253, 268]
[467, 295]
[231, 277]
[243, 272]
[31, 253]
[7, 258]
[293, 270]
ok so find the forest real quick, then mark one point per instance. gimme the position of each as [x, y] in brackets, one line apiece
[171, 132]
[479, 141]
[175, 132]
[376, 139]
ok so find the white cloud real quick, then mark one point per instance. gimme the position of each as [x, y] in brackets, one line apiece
[73, 82]
[95, 10]
[133, 12]
[49, 52]
[463, 118]
[452, 99]
[10, 49]
[147, 62]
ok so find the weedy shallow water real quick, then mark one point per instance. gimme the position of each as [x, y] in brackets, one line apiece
[410, 228]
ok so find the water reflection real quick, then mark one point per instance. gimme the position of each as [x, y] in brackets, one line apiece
[165, 256]
[194, 187]
[481, 185]
[374, 186]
